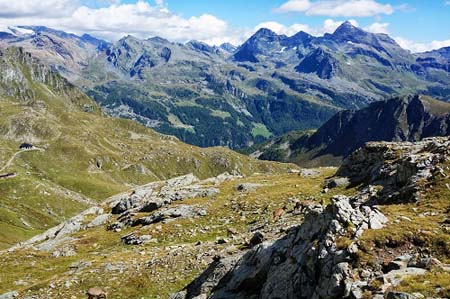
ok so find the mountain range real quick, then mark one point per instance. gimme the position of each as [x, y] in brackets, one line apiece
[237, 96]
[93, 204]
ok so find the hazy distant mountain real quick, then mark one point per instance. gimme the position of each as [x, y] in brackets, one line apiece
[270, 85]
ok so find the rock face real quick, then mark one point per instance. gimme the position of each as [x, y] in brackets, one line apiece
[401, 168]
[317, 259]
[410, 118]
[306, 263]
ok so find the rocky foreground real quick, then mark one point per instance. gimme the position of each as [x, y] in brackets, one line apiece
[318, 258]
[379, 227]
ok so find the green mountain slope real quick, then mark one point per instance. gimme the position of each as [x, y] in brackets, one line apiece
[79, 156]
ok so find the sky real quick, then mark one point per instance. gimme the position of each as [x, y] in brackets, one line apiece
[417, 25]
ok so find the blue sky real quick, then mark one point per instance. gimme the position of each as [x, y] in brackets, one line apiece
[419, 20]
[417, 25]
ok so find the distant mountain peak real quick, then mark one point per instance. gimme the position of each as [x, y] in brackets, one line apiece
[265, 32]
[228, 47]
[158, 39]
[347, 28]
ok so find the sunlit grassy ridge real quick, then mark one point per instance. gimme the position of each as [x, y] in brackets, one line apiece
[84, 156]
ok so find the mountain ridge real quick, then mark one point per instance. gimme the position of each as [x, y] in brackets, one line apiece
[409, 118]
[268, 86]
[60, 154]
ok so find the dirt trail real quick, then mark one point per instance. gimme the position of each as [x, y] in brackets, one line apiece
[15, 155]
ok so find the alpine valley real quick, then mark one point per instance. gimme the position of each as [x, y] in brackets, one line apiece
[119, 179]
[237, 96]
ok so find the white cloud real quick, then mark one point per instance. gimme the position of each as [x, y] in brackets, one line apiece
[421, 47]
[117, 19]
[49, 8]
[337, 8]
[378, 28]
[328, 26]
[282, 29]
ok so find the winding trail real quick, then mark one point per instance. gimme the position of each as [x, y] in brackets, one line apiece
[15, 155]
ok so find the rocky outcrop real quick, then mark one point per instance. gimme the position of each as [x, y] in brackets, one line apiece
[402, 169]
[307, 263]
[180, 211]
[151, 197]
[318, 258]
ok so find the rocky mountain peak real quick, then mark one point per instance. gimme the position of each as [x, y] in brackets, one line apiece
[264, 32]
[348, 32]
[408, 118]
[228, 47]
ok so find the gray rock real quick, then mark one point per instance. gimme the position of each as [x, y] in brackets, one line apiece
[303, 264]
[99, 220]
[180, 211]
[247, 187]
[132, 239]
[209, 279]
[401, 295]
[256, 239]
[395, 277]
[337, 182]
[398, 263]
[424, 262]
[309, 173]
[126, 204]
[9, 295]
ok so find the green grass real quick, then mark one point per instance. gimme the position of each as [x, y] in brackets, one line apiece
[51, 116]
[169, 272]
[260, 130]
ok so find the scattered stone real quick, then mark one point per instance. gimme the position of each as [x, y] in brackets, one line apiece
[398, 263]
[397, 276]
[180, 211]
[9, 295]
[309, 173]
[247, 187]
[132, 239]
[337, 182]
[401, 295]
[256, 239]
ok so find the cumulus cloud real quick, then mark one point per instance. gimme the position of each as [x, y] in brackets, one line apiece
[282, 29]
[25, 8]
[337, 8]
[115, 19]
[378, 28]
[328, 26]
[421, 47]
